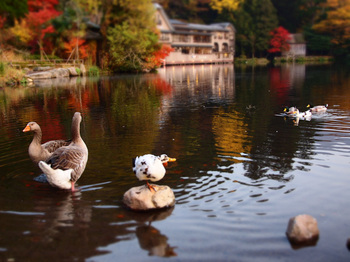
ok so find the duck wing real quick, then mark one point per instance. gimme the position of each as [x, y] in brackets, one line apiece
[52, 146]
[69, 157]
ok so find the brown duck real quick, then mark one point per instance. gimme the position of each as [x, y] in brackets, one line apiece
[67, 163]
[41, 152]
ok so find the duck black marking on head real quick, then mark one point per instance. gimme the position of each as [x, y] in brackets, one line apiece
[133, 162]
[143, 163]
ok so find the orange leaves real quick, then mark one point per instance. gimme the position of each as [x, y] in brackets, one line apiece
[71, 45]
[36, 24]
[337, 23]
[157, 59]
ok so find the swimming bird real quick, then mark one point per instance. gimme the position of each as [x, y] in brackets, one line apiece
[290, 110]
[65, 166]
[151, 167]
[298, 114]
[318, 109]
[41, 152]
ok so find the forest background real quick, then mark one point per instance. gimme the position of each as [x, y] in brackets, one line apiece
[126, 36]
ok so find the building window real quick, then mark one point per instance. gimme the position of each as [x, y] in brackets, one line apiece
[164, 37]
[185, 50]
[181, 38]
[158, 20]
[224, 47]
[202, 39]
[216, 48]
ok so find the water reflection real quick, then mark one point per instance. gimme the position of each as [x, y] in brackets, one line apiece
[149, 237]
[153, 241]
[235, 159]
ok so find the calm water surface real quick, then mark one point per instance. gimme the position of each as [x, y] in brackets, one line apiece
[241, 170]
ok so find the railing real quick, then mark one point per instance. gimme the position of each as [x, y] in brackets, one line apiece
[51, 63]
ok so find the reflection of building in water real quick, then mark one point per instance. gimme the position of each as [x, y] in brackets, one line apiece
[216, 83]
[296, 74]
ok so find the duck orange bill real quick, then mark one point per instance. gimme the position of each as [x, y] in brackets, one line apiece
[26, 129]
[171, 159]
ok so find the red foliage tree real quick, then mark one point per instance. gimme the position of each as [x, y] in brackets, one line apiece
[2, 22]
[158, 56]
[40, 13]
[83, 49]
[279, 40]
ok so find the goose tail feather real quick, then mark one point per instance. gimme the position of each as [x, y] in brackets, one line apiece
[56, 177]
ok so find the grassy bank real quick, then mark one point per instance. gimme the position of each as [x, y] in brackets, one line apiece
[283, 60]
[303, 59]
[10, 76]
[251, 61]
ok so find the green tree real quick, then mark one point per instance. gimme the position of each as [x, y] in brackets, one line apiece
[254, 20]
[295, 15]
[13, 9]
[196, 11]
[317, 44]
[130, 30]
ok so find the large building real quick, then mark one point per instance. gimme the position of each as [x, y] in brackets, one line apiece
[196, 43]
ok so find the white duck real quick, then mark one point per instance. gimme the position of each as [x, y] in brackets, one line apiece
[151, 167]
[41, 152]
[67, 163]
[290, 110]
[318, 109]
[297, 114]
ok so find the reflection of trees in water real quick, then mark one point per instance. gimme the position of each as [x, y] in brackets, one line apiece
[275, 149]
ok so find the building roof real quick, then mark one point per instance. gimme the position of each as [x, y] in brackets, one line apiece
[177, 25]
[296, 39]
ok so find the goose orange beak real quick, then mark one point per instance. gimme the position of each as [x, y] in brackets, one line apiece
[26, 129]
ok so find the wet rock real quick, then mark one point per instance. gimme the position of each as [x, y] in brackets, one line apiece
[40, 75]
[55, 73]
[303, 230]
[72, 71]
[42, 68]
[60, 72]
[141, 198]
[82, 69]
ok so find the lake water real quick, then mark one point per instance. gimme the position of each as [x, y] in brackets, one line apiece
[242, 171]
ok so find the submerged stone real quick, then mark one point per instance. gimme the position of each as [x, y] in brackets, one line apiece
[303, 230]
[141, 198]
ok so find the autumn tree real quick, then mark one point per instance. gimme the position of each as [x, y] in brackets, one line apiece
[36, 25]
[279, 40]
[297, 14]
[336, 24]
[195, 11]
[253, 19]
[131, 35]
[10, 10]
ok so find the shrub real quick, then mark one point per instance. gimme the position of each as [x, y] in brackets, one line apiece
[94, 71]
[2, 69]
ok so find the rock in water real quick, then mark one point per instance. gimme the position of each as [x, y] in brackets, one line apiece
[141, 198]
[303, 230]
